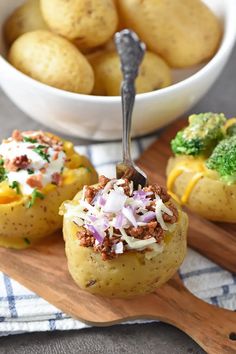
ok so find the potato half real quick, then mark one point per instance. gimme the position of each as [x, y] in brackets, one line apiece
[53, 60]
[21, 226]
[183, 32]
[209, 196]
[25, 18]
[130, 273]
[154, 73]
[88, 23]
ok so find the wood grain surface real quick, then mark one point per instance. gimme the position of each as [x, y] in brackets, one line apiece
[43, 269]
[216, 241]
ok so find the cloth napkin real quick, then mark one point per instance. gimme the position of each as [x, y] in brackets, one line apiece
[21, 310]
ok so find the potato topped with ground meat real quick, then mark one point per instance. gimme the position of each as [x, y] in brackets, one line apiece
[38, 171]
[122, 242]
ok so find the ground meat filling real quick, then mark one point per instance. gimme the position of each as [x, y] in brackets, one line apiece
[147, 226]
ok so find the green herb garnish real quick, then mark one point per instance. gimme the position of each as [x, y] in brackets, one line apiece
[15, 185]
[30, 171]
[35, 194]
[27, 241]
[27, 139]
[1, 162]
[87, 168]
[40, 149]
[3, 174]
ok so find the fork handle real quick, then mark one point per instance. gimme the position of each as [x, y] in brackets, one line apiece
[131, 52]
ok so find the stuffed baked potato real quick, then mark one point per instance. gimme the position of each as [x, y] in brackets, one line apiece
[202, 174]
[120, 242]
[38, 171]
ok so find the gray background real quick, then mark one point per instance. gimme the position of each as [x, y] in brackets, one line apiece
[146, 338]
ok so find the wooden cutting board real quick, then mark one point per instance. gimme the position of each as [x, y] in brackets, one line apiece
[216, 241]
[43, 269]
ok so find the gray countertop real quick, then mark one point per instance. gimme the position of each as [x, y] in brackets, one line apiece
[145, 338]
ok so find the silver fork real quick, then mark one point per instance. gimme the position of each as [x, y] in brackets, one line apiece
[131, 51]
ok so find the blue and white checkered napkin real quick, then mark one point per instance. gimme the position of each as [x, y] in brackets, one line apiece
[23, 311]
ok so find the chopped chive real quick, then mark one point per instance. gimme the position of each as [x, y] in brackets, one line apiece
[39, 150]
[27, 241]
[27, 139]
[87, 168]
[15, 185]
[30, 171]
[3, 174]
[35, 194]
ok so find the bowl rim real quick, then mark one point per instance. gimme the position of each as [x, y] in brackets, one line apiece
[227, 42]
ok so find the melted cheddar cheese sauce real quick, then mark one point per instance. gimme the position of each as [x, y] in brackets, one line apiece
[193, 165]
[188, 164]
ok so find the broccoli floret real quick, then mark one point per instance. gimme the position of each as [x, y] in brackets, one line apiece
[231, 130]
[200, 136]
[223, 160]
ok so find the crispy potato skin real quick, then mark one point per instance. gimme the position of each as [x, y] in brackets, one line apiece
[129, 274]
[88, 23]
[210, 198]
[154, 73]
[53, 60]
[183, 32]
[20, 224]
[25, 18]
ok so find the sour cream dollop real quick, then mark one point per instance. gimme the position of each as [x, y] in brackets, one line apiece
[32, 159]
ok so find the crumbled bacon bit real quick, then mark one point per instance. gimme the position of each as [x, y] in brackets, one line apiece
[55, 156]
[35, 181]
[86, 238]
[18, 163]
[171, 218]
[56, 179]
[90, 193]
[151, 229]
[103, 180]
[159, 190]
[16, 135]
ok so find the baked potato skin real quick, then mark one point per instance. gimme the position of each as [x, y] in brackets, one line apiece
[211, 198]
[118, 277]
[20, 226]
[154, 73]
[183, 32]
[52, 60]
[25, 18]
[88, 23]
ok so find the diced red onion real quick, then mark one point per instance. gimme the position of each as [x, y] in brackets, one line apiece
[96, 234]
[119, 221]
[115, 202]
[129, 214]
[92, 218]
[150, 215]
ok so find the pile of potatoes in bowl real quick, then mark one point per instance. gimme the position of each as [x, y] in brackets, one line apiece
[68, 44]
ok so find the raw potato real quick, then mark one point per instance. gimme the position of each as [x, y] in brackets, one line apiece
[88, 23]
[210, 198]
[183, 32]
[154, 73]
[25, 18]
[21, 226]
[128, 275]
[53, 60]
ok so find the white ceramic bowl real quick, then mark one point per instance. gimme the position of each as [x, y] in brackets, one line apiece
[98, 117]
